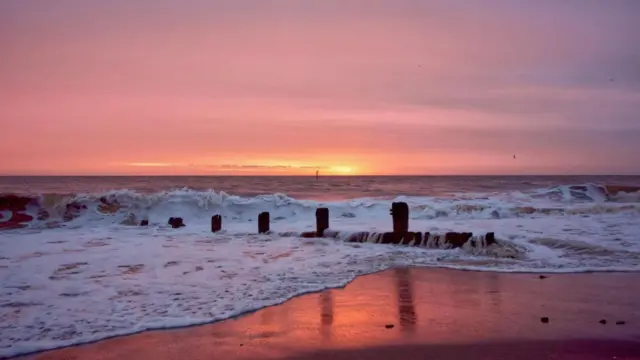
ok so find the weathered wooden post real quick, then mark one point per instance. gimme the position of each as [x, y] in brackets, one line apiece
[216, 223]
[263, 222]
[400, 216]
[322, 221]
[490, 238]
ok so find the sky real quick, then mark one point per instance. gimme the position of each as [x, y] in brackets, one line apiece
[346, 87]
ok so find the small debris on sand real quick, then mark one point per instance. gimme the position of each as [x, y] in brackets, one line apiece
[544, 320]
[389, 326]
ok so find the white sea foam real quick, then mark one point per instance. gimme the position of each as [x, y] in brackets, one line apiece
[93, 278]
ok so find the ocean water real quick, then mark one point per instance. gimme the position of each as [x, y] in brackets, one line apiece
[75, 270]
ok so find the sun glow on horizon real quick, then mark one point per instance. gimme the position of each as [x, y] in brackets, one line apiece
[240, 168]
[341, 170]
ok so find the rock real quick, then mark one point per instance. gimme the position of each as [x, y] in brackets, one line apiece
[544, 320]
[176, 222]
[620, 322]
[73, 210]
[144, 222]
[20, 217]
[542, 277]
[603, 322]
[389, 326]
[616, 189]
[15, 202]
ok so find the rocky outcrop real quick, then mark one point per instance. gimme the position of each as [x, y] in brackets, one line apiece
[13, 208]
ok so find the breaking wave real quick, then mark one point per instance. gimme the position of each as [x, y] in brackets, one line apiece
[129, 207]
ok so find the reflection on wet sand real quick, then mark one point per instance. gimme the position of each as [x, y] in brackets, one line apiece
[406, 310]
[430, 307]
[326, 314]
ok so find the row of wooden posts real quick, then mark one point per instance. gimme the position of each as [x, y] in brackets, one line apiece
[400, 235]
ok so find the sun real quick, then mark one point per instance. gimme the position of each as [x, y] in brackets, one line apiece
[342, 170]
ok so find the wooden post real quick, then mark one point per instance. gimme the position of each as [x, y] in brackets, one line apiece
[490, 238]
[322, 220]
[216, 223]
[400, 216]
[263, 222]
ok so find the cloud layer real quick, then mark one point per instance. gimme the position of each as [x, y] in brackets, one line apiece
[252, 86]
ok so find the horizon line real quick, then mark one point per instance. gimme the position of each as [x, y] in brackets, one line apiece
[310, 175]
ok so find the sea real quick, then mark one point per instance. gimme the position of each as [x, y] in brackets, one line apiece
[76, 266]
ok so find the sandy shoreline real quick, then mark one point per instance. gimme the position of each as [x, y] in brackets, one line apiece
[412, 313]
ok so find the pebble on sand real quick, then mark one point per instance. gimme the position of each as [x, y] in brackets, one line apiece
[544, 320]
[389, 326]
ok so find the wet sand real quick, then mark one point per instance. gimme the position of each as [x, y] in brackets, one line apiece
[414, 314]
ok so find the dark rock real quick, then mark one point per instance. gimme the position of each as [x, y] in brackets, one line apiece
[144, 223]
[389, 326]
[620, 322]
[176, 222]
[15, 202]
[73, 210]
[544, 320]
[20, 217]
[603, 322]
[542, 277]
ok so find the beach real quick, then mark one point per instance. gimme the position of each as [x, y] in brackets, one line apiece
[414, 313]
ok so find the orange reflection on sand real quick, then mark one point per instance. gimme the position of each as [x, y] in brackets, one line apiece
[425, 306]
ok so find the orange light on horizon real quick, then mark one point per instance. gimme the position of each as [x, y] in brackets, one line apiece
[271, 167]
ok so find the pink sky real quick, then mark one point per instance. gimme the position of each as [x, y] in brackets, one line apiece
[349, 86]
